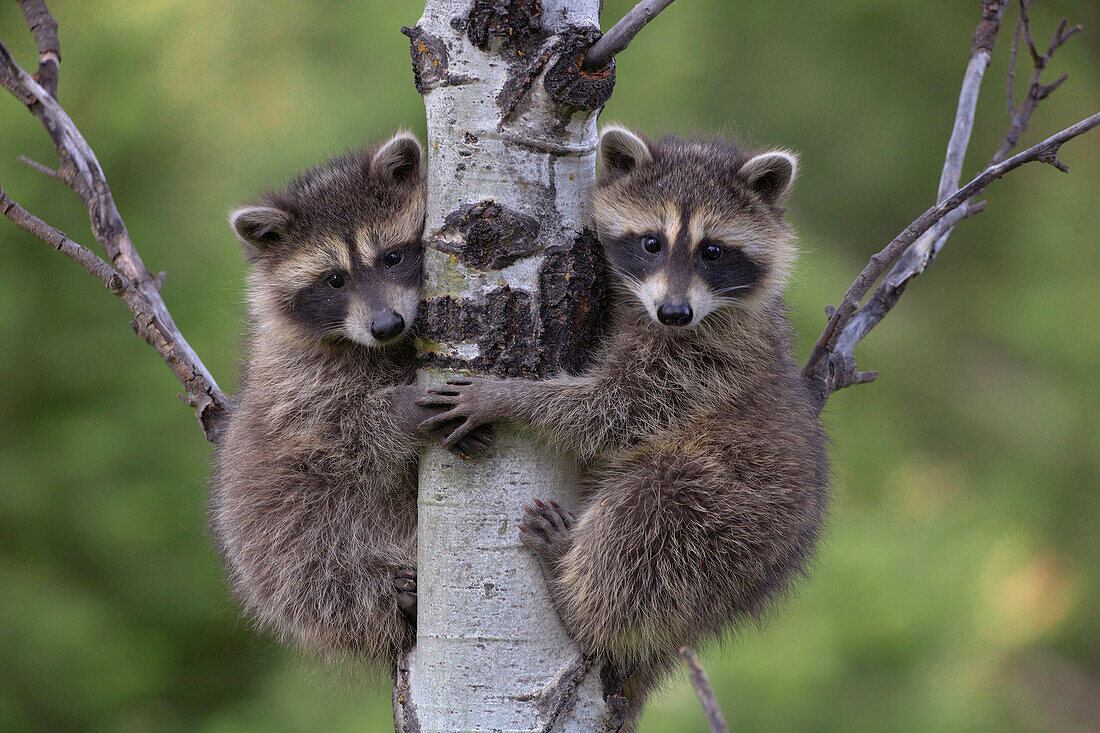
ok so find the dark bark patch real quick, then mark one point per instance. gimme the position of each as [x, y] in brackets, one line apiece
[514, 21]
[493, 236]
[501, 323]
[572, 304]
[570, 85]
[405, 718]
[430, 61]
[611, 685]
[514, 337]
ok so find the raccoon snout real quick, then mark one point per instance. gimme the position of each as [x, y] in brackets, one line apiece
[387, 325]
[674, 314]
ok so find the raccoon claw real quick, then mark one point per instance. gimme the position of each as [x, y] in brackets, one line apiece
[462, 405]
[544, 529]
[404, 583]
[475, 444]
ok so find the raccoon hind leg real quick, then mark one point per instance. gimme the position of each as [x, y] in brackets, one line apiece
[404, 584]
[545, 529]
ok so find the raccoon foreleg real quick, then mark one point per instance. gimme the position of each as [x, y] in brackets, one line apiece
[581, 414]
[409, 415]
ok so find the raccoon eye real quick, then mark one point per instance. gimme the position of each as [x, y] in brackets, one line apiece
[711, 252]
[392, 258]
[651, 244]
[335, 280]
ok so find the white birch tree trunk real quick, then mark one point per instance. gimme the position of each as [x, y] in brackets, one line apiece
[514, 287]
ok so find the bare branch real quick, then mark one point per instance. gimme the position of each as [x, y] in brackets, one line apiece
[981, 50]
[699, 681]
[922, 251]
[832, 365]
[1025, 23]
[81, 171]
[1037, 91]
[145, 323]
[80, 254]
[912, 263]
[622, 33]
[823, 370]
[1010, 91]
[985, 37]
[9, 80]
[44, 29]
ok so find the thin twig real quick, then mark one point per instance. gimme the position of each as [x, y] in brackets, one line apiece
[40, 167]
[44, 29]
[982, 49]
[622, 33]
[911, 264]
[1036, 91]
[1025, 22]
[1010, 91]
[145, 322]
[699, 681]
[80, 254]
[81, 171]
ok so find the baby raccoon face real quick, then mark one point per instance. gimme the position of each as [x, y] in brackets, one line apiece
[338, 254]
[364, 288]
[692, 228]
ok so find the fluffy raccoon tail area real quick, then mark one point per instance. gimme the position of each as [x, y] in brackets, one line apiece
[671, 550]
[364, 618]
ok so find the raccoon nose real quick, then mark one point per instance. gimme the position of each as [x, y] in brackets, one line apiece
[387, 325]
[674, 314]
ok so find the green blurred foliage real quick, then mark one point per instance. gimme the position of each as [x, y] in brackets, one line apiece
[958, 587]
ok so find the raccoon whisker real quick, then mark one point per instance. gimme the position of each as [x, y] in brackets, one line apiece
[626, 284]
[336, 328]
[731, 289]
[626, 276]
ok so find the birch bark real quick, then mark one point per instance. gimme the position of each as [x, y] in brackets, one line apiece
[514, 289]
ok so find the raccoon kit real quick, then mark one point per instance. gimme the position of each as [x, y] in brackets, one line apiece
[705, 482]
[313, 501]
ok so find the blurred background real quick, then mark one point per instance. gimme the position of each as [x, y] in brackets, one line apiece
[958, 587]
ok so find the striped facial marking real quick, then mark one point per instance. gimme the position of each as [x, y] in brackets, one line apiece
[329, 254]
[684, 264]
[364, 287]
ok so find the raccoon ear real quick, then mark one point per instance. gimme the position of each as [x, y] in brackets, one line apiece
[621, 151]
[398, 159]
[259, 227]
[771, 174]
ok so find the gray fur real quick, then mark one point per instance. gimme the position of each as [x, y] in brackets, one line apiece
[313, 500]
[707, 480]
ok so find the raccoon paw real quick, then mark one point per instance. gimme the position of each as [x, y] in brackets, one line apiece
[404, 583]
[545, 528]
[460, 407]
